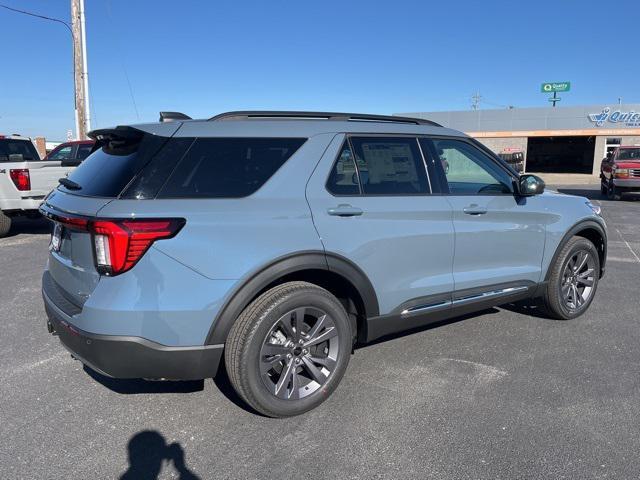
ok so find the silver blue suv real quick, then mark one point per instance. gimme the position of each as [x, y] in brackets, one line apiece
[275, 241]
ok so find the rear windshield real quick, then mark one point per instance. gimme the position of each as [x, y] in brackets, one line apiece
[17, 150]
[629, 154]
[108, 170]
[181, 167]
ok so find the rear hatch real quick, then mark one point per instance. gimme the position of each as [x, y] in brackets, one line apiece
[74, 207]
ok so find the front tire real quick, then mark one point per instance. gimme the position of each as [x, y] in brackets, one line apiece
[5, 224]
[288, 350]
[574, 279]
[613, 192]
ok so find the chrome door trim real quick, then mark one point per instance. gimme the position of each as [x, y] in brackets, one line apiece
[489, 294]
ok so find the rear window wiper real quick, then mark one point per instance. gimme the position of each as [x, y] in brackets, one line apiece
[70, 184]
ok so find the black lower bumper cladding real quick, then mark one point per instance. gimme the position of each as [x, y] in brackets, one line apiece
[134, 357]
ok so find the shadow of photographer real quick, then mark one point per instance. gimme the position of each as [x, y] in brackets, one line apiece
[148, 451]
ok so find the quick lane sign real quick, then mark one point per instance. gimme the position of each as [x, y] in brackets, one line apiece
[555, 87]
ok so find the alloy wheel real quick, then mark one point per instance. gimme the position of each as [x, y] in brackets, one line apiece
[578, 279]
[299, 353]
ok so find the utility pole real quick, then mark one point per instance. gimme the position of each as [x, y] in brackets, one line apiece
[81, 78]
[475, 100]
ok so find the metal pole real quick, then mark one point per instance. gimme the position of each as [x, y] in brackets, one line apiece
[85, 70]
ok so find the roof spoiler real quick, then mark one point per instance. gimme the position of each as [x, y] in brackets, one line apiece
[173, 116]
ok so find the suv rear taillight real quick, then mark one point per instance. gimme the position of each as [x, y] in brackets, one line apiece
[20, 178]
[119, 244]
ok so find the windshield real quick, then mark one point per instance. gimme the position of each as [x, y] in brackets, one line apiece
[629, 154]
[17, 150]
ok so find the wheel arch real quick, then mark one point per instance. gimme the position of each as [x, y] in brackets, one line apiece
[333, 272]
[592, 231]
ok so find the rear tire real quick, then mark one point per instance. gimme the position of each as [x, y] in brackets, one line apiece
[288, 350]
[5, 225]
[573, 281]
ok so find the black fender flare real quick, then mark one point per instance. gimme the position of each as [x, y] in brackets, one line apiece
[297, 262]
[575, 229]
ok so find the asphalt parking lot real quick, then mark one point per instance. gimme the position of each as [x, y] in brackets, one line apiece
[501, 394]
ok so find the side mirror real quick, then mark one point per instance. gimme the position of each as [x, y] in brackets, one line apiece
[530, 185]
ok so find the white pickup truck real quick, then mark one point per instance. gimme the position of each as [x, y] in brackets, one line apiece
[24, 179]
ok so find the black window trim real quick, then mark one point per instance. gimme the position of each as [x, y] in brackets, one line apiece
[444, 185]
[361, 193]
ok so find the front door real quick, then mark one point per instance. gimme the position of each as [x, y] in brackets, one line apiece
[372, 203]
[499, 237]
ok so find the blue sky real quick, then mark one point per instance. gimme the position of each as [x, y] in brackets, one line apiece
[205, 57]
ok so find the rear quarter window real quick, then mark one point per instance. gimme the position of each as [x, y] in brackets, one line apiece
[228, 167]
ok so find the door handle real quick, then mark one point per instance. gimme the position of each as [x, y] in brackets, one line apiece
[344, 210]
[474, 209]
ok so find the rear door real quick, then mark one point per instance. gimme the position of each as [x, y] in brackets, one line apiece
[500, 237]
[373, 204]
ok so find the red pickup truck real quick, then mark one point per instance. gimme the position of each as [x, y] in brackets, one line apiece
[620, 172]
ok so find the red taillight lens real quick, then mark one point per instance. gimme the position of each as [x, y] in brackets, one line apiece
[119, 244]
[21, 179]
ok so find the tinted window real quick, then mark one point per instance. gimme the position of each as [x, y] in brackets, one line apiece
[113, 165]
[343, 179]
[228, 167]
[390, 166]
[468, 170]
[153, 176]
[63, 153]
[17, 150]
[83, 151]
[629, 154]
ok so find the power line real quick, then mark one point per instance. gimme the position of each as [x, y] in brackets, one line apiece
[122, 60]
[57, 20]
[44, 17]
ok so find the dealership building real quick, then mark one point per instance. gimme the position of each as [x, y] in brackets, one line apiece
[552, 139]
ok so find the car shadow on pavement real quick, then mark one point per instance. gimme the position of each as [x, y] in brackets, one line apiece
[530, 307]
[29, 226]
[139, 386]
[148, 452]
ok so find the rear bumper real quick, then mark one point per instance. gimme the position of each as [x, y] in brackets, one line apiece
[132, 357]
[24, 204]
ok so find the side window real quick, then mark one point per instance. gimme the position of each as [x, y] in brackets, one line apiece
[63, 154]
[228, 167]
[390, 166]
[83, 151]
[343, 179]
[469, 171]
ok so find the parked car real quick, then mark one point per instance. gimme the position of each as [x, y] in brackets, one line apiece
[71, 153]
[514, 159]
[278, 240]
[24, 179]
[620, 172]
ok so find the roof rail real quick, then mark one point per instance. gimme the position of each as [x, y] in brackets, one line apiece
[363, 117]
[172, 116]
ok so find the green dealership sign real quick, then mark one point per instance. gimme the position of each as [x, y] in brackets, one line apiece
[555, 87]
